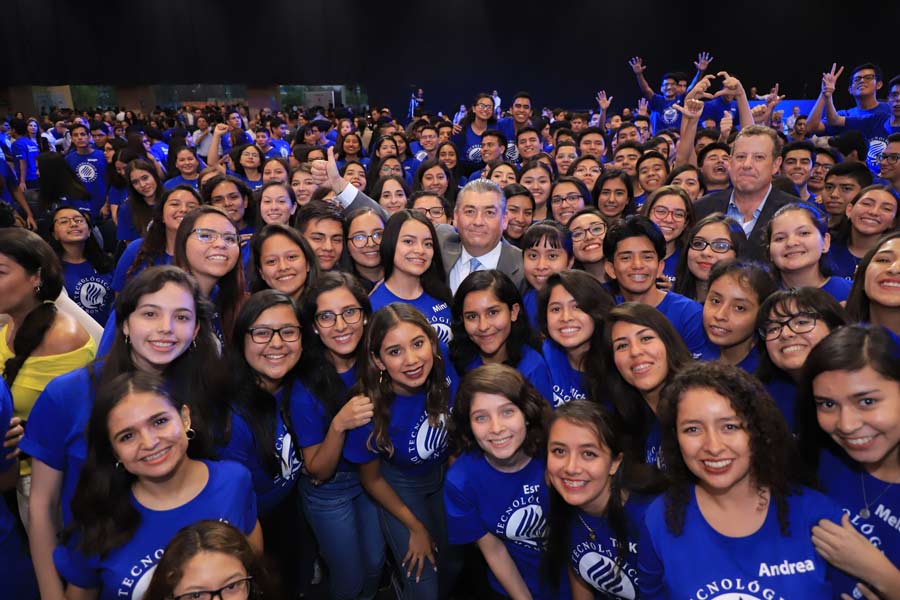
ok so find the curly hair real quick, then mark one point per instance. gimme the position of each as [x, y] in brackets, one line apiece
[773, 454]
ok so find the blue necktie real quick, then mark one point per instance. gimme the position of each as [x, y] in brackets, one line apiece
[475, 265]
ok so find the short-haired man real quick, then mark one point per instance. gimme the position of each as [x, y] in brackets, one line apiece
[628, 132]
[428, 141]
[521, 113]
[592, 142]
[842, 183]
[579, 121]
[89, 165]
[662, 114]
[635, 251]
[477, 242]
[528, 142]
[755, 158]
[493, 147]
[99, 134]
[797, 160]
[642, 124]
[890, 164]
[322, 224]
[625, 158]
[277, 133]
[826, 158]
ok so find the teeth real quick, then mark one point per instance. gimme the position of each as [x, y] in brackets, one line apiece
[285, 277]
[217, 258]
[342, 338]
[891, 284]
[641, 368]
[793, 348]
[717, 464]
[571, 483]
[859, 441]
[153, 457]
[274, 356]
[163, 345]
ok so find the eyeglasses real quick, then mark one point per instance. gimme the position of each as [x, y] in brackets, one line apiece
[802, 323]
[484, 105]
[210, 236]
[595, 230]
[329, 319]
[572, 198]
[891, 159]
[392, 170]
[70, 220]
[263, 335]
[661, 212]
[236, 590]
[361, 240]
[249, 154]
[861, 78]
[824, 166]
[435, 212]
[717, 246]
[585, 170]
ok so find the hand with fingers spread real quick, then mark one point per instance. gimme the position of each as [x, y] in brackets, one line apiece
[637, 65]
[848, 550]
[421, 547]
[829, 80]
[644, 107]
[703, 60]
[691, 110]
[602, 101]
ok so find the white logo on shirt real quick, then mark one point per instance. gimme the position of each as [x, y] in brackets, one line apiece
[603, 573]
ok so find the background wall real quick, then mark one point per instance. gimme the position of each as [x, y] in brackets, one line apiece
[561, 51]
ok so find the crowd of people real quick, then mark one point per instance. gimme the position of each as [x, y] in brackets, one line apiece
[647, 353]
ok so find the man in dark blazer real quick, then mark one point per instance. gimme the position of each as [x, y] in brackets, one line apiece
[476, 243]
[325, 173]
[752, 201]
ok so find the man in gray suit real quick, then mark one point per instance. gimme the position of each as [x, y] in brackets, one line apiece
[477, 242]
[325, 173]
[755, 159]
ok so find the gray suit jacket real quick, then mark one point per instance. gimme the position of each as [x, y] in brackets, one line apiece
[718, 202]
[510, 261]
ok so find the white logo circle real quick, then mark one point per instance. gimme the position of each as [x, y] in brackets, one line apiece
[92, 295]
[527, 525]
[603, 573]
[444, 333]
[140, 588]
[430, 440]
[86, 172]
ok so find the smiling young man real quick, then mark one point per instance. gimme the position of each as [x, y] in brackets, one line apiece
[797, 159]
[89, 165]
[522, 111]
[635, 249]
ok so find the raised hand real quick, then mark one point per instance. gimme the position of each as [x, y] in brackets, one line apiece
[602, 101]
[700, 89]
[726, 124]
[730, 85]
[637, 65]
[703, 60]
[357, 412]
[692, 108]
[829, 80]
[760, 114]
[644, 107]
[221, 129]
[773, 98]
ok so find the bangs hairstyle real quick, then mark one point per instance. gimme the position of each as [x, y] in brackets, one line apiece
[462, 349]
[547, 233]
[818, 218]
[858, 303]
[434, 279]
[784, 304]
[93, 253]
[672, 190]
[377, 384]
[773, 461]
[256, 243]
[257, 200]
[154, 245]
[684, 169]
[501, 380]
[750, 274]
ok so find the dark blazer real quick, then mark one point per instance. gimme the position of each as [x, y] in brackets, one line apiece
[510, 261]
[718, 202]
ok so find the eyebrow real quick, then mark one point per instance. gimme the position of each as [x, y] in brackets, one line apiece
[150, 418]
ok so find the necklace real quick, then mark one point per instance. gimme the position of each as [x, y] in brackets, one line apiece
[864, 511]
[591, 533]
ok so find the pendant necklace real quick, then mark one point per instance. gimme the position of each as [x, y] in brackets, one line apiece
[864, 511]
[591, 534]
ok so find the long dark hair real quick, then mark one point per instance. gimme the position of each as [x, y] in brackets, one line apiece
[630, 477]
[248, 397]
[452, 184]
[36, 257]
[434, 279]
[207, 536]
[317, 371]
[91, 250]
[685, 282]
[231, 285]
[141, 212]
[773, 460]
[462, 349]
[103, 515]
[154, 245]
[256, 243]
[377, 385]
[58, 180]
[819, 220]
[858, 304]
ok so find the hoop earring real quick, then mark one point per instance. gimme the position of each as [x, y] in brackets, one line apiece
[127, 340]
[190, 434]
[119, 466]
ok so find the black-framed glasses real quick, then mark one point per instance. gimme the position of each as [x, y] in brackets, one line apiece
[861, 78]
[572, 198]
[361, 240]
[595, 230]
[435, 212]
[64, 221]
[801, 323]
[661, 212]
[210, 236]
[264, 335]
[329, 318]
[236, 590]
[891, 159]
[824, 166]
[718, 246]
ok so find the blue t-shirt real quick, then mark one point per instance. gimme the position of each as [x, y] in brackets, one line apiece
[671, 264]
[125, 229]
[663, 115]
[16, 570]
[435, 311]
[715, 109]
[117, 196]
[594, 560]
[126, 571]
[507, 126]
[119, 278]
[56, 428]
[843, 260]
[838, 287]
[784, 393]
[533, 367]
[530, 305]
[876, 130]
[310, 420]
[748, 364]
[89, 289]
[568, 383]
[25, 150]
[171, 184]
[686, 316]
[479, 499]
[12, 182]
[882, 109]
[469, 145]
[279, 148]
[270, 489]
[765, 564]
[226, 141]
[160, 150]
[91, 170]
[843, 481]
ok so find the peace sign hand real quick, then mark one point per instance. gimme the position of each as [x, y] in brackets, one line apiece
[829, 80]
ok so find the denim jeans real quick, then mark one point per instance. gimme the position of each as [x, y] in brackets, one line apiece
[424, 495]
[341, 512]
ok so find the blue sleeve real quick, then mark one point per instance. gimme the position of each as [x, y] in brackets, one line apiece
[109, 335]
[47, 427]
[240, 447]
[463, 524]
[249, 509]
[119, 278]
[356, 448]
[657, 103]
[539, 376]
[650, 567]
[76, 568]
[6, 413]
[308, 417]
